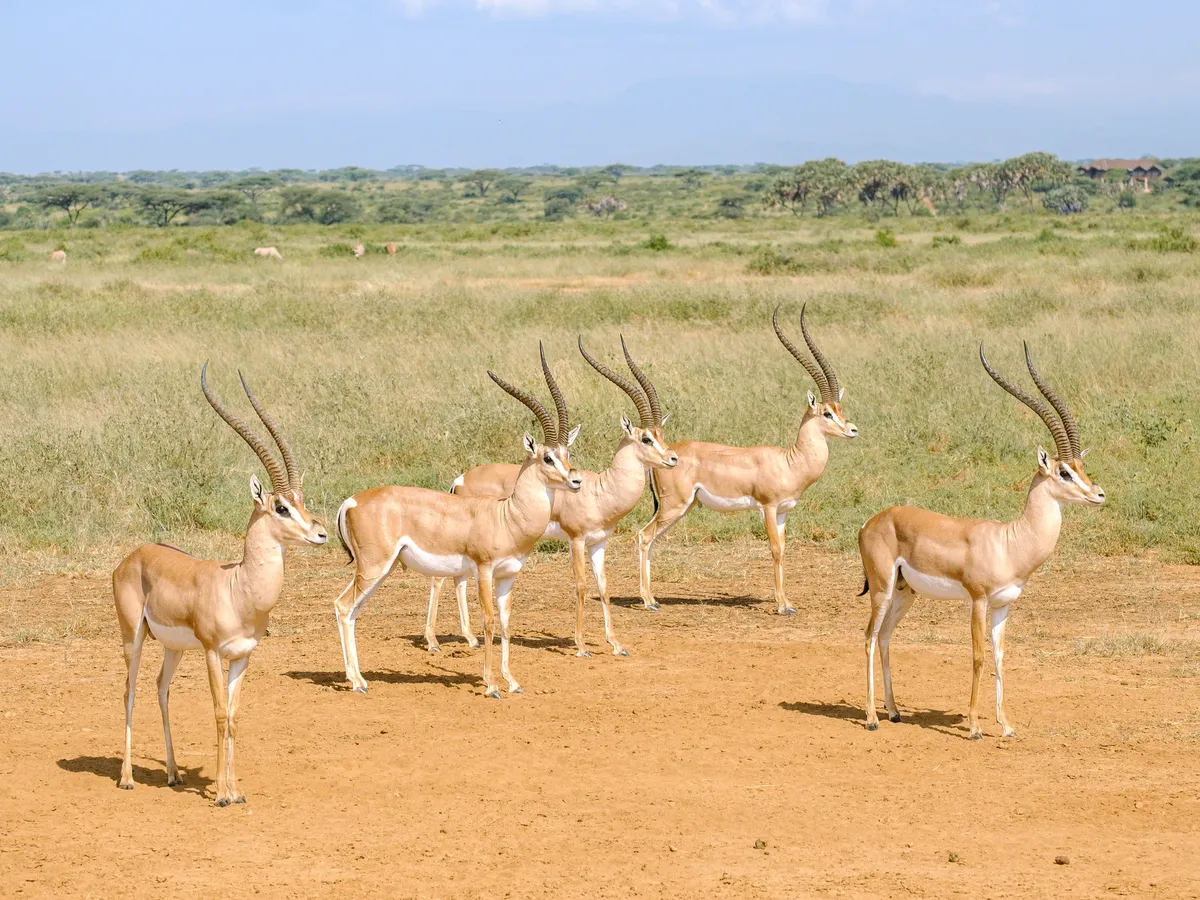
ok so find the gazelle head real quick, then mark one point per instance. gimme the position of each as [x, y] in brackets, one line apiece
[288, 520]
[827, 410]
[550, 456]
[647, 436]
[1063, 472]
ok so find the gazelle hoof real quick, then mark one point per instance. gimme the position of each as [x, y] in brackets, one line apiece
[223, 802]
[492, 693]
[516, 690]
[621, 652]
[584, 654]
[787, 611]
[1009, 732]
[241, 798]
[653, 607]
[359, 689]
[473, 643]
[126, 787]
[872, 726]
[433, 648]
[173, 780]
[894, 717]
[976, 736]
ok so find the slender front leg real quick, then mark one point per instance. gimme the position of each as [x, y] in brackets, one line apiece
[880, 604]
[651, 531]
[237, 668]
[597, 557]
[901, 601]
[775, 524]
[133, 659]
[170, 663]
[978, 653]
[464, 615]
[431, 641]
[483, 582]
[216, 684]
[577, 569]
[346, 608]
[503, 592]
[999, 621]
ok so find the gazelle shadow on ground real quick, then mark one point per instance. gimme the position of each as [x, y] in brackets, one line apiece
[110, 767]
[337, 680]
[939, 720]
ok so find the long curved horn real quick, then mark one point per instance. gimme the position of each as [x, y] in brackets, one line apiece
[835, 389]
[1064, 411]
[560, 403]
[817, 375]
[647, 385]
[535, 407]
[285, 449]
[638, 398]
[1056, 429]
[277, 475]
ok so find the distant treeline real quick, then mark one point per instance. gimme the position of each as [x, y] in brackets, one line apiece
[413, 195]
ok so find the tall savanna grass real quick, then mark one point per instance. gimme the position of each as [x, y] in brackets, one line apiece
[376, 368]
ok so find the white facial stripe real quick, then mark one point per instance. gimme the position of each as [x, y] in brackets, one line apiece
[296, 514]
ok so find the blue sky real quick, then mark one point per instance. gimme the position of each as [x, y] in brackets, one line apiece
[128, 83]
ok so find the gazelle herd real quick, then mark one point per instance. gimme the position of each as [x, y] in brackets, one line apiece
[489, 521]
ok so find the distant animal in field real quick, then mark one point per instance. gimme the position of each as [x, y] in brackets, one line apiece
[359, 250]
[391, 248]
[58, 256]
[268, 252]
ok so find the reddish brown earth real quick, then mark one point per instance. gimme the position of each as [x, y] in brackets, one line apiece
[649, 776]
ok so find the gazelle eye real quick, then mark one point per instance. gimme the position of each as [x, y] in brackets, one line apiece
[646, 440]
[828, 414]
[1064, 474]
[283, 512]
[546, 459]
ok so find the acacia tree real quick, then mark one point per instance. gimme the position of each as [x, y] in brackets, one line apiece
[615, 171]
[162, 205]
[1030, 171]
[512, 188]
[692, 179]
[72, 199]
[482, 180]
[254, 186]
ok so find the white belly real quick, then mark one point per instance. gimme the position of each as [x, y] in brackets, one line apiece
[174, 637]
[723, 504]
[1005, 595]
[236, 648]
[434, 564]
[934, 587]
[507, 568]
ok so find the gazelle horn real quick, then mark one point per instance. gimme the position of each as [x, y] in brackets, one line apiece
[1061, 442]
[285, 449]
[647, 385]
[560, 403]
[278, 477]
[535, 407]
[638, 398]
[831, 378]
[1064, 411]
[817, 375]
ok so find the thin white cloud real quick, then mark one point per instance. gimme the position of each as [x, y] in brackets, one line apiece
[726, 12]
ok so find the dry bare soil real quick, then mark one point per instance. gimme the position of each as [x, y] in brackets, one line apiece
[654, 775]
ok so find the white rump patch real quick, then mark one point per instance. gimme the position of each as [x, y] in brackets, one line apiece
[457, 483]
[435, 565]
[724, 504]
[174, 637]
[935, 587]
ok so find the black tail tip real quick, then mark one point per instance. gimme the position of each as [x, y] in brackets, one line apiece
[866, 587]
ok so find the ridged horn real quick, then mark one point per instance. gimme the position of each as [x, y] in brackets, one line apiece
[647, 386]
[1056, 429]
[1060, 406]
[285, 448]
[831, 378]
[277, 475]
[809, 366]
[638, 398]
[548, 433]
[560, 403]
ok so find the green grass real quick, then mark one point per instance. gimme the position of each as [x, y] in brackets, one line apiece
[377, 367]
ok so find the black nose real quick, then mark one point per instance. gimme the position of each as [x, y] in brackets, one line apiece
[322, 535]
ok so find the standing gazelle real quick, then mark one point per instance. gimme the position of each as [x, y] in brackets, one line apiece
[221, 608]
[587, 519]
[450, 536]
[769, 479]
[908, 551]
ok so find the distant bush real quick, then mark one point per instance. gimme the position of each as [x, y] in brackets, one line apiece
[885, 237]
[946, 240]
[407, 209]
[770, 259]
[12, 249]
[1066, 200]
[160, 254]
[1127, 200]
[1171, 239]
[657, 243]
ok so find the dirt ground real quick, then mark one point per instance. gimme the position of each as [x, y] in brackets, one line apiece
[725, 757]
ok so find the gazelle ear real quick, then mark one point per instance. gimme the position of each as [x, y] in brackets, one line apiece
[1044, 462]
[812, 401]
[841, 394]
[1084, 452]
[664, 420]
[573, 434]
[257, 492]
[626, 426]
[530, 444]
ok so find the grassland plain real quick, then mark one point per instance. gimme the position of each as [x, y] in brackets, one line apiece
[377, 367]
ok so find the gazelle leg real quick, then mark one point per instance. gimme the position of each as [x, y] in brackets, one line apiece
[650, 532]
[170, 663]
[999, 621]
[483, 582]
[503, 593]
[237, 668]
[596, 553]
[464, 614]
[431, 641]
[775, 524]
[216, 684]
[133, 659]
[902, 600]
[580, 574]
[880, 604]
[346, 608]
[978, 654]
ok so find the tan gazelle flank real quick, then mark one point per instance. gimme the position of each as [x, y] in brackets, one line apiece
[908, 551]
[449, 536]
[769, 479]
[586, 519]
[221, 608]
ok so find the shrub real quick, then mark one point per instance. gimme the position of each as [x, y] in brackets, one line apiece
[1127, 200]
[657, 243]
[885, 237]
[1066, 200]
[946, 240]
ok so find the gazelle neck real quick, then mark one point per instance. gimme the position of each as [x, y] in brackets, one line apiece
[258, 578]
[811, 450]
[1035, 533]
[527, 509]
